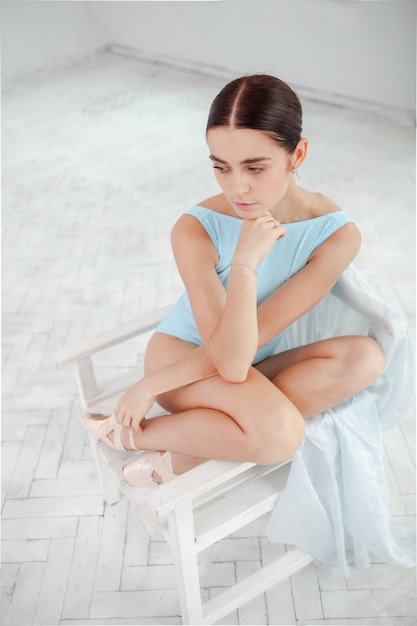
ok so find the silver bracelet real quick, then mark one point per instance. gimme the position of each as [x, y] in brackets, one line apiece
[244, 265]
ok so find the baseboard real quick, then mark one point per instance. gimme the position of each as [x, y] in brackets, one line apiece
[405, 117]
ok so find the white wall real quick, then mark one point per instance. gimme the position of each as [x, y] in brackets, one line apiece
[37, 35]
[340, 50]
[358, 49]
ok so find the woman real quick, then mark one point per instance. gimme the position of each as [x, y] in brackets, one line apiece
[253, 260]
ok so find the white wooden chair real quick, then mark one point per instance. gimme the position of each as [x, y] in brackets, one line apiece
[195, 510]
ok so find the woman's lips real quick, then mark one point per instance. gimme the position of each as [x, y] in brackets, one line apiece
[244, 206]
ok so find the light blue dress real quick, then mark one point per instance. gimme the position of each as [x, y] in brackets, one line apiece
[336, 503]
[287, 257]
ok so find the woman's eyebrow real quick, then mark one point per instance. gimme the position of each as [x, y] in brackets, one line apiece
[246, 161]
[256, 159]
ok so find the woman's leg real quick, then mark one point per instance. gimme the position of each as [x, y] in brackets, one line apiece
[259, 420]
[256, 420]
[318, 376]
[216, 419]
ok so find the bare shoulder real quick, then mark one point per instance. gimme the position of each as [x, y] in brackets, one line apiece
[345, 241]
[186, 228]
[189, 239]
[321, 204]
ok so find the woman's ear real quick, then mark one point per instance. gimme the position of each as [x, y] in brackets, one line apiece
[299, 154]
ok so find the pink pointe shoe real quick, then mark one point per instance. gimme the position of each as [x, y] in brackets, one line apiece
[101, 426]
[140, 472]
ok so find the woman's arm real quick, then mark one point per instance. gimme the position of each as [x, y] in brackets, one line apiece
[298, 295]
[231, 326]
[233, 344]
[227, 321]
[135, 403]
[306, 288]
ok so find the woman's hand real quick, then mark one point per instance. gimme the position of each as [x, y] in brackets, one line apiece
[133, 405]
[257, 238]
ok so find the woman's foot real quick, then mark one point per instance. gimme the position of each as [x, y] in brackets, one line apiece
[149, 469]
[109, 431]
[155, 468]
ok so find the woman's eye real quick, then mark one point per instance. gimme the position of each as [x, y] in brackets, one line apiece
[253, 170]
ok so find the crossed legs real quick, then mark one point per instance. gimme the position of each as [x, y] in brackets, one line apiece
[261, 419]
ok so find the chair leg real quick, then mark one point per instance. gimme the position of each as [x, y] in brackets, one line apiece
[108, 481]
[181, 538]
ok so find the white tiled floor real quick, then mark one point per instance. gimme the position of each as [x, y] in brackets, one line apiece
[99, 159]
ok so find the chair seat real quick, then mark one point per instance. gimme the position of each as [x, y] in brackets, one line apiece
[207, 504]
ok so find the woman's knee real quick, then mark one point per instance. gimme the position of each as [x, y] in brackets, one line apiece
[279, 438]
[366, 359]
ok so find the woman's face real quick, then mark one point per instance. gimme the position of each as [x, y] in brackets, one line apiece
[250, 167]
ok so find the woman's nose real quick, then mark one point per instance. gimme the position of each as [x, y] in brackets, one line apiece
[239, 184]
